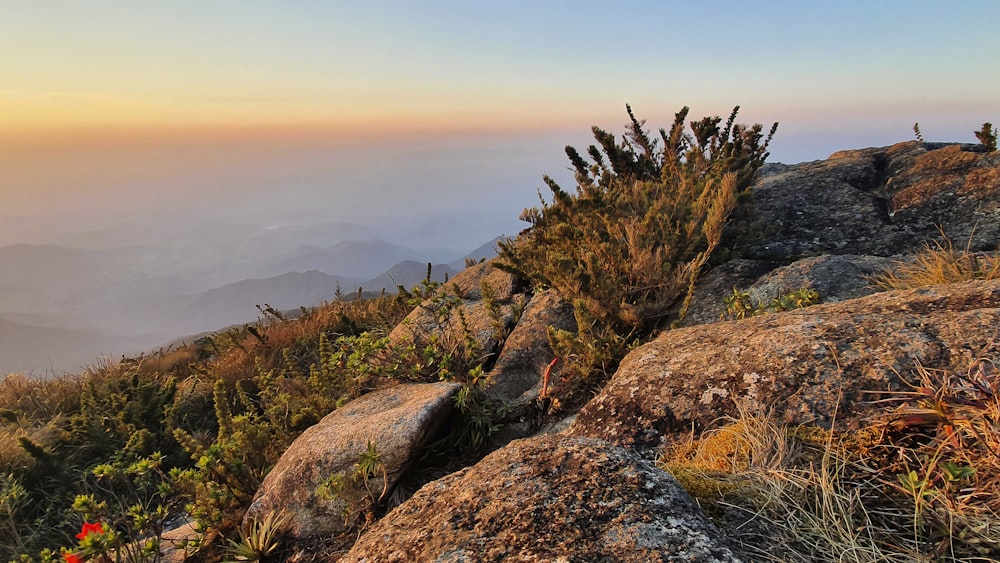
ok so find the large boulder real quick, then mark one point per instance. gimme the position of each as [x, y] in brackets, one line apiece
[878, 201]
[480, 303]
[526, 353]
[548, 498]
[807, 366]
[834, 277]
[398, 421]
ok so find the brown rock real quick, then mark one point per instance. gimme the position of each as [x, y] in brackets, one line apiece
[806, 365]
[460, 304]
[526, 352]
[834, 277]
[706, 303]
[547, 498]
[878, 201]
[398, 420]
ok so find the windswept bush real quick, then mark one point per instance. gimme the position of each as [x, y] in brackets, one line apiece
[629, 245]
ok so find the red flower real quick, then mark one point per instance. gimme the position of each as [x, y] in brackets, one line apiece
[88, 529]
[72, 558]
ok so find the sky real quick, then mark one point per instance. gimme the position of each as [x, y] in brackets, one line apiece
[251, 113]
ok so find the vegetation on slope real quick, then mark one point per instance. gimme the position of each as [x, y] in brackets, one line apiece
[627, 247]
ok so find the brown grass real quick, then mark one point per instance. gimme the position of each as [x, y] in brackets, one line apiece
[807, 494]
[40, 399]
[941, 263]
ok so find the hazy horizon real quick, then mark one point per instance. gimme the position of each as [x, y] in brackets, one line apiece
[187, 146]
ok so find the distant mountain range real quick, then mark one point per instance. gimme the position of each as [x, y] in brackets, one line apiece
[62, 308]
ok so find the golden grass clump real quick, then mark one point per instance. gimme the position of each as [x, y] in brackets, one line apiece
[40, 399]
[920, 483]
[941, 263]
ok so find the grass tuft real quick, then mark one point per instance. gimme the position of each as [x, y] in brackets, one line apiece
[920, 483]
[941, 263]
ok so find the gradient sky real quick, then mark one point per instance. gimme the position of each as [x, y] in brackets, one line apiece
[76, 74]
[484, 65]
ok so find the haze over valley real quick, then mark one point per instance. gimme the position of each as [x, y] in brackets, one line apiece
[145, 245]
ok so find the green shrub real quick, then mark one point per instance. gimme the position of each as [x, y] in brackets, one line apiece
[629, 245]
[987, 136]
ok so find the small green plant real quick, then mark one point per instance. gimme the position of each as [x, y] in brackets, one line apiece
[228, 471]
[987, 136]
[369, 466]
[740, 305]
[259, 540]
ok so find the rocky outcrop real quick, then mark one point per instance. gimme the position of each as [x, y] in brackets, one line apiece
[879, 201]
[459, 306]
[548, 498]
[834, 277]
[589, 493]
[397, 420]
[829, 224]
[807, 365]
[526, 353]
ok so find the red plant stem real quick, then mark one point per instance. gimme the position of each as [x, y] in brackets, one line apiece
[545, 378]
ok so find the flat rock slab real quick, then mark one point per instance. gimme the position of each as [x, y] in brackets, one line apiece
[398, 420]
[548, 498]
[877, 201]
[806, 366]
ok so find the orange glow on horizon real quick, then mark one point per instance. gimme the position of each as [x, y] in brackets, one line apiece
[54, 117]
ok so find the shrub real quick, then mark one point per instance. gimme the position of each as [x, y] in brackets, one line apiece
[628, 246]
[987, 136]
[740, 304]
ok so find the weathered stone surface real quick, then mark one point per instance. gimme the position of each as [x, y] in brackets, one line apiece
[526, 353]
[398, 420]
[440, 315]
[878, 201]
[834, 277]
[706, 303]
[547, 498]
[807, 365]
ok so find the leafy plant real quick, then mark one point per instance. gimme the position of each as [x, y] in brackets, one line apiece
[740, 304]
[260, 539]
[369, 466]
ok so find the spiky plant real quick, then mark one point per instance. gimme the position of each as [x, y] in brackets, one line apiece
[646, 215]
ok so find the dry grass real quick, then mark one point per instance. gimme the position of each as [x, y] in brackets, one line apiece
[941, 263]
[244, 357]
[36, 399]
[921, 483]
